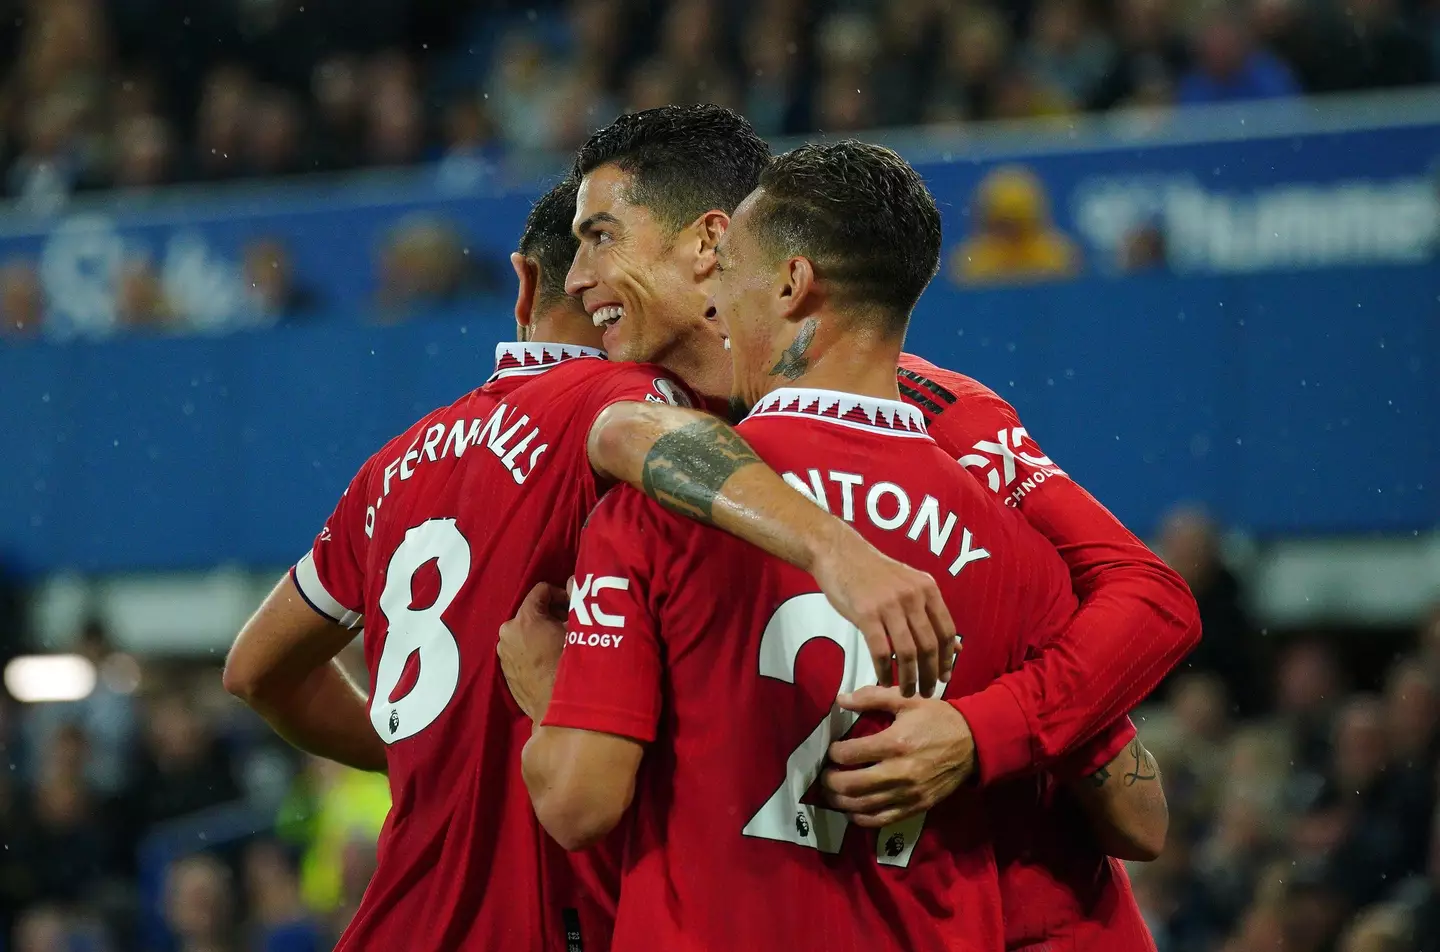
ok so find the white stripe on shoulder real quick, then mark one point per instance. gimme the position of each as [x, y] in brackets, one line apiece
[307, 580]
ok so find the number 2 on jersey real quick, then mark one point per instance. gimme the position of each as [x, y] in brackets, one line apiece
[783, 817]
[419, 631]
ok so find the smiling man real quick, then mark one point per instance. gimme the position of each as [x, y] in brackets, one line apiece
[433, 545]
[649, 225]
[718, 665]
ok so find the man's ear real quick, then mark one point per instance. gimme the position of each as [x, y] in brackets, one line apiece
[800, 291]
[709, 229]
[528, 274]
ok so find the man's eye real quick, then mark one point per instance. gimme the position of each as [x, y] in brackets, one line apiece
[602, 237]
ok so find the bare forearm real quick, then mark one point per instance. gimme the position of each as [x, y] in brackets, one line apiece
[1126, 804]
[570, 805]
[326, 715]
[698, 466]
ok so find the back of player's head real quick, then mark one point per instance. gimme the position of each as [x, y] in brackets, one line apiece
[548, 241]
[683, 160]
[862, 216]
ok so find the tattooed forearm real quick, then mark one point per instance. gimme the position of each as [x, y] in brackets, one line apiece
[1144, 765]
[794, 361]
[1099, 777]
[686, 468]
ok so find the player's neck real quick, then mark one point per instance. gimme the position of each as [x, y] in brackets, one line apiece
[702, 363]
[851, 362]
[564, 328]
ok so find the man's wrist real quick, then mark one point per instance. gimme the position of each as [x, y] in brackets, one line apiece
[960, 749]
[1003, 740]
[830, 540]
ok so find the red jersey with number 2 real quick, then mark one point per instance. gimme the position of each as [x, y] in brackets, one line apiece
[727, 663]
[432, 548]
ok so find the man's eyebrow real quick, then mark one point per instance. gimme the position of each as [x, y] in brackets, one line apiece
[587, 226]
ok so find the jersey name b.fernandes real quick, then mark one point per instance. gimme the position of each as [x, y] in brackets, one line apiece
[432, 547]
[727, 664]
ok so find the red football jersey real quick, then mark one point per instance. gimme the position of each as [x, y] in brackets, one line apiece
[432, 548]
[1059, 891]
[727, 662]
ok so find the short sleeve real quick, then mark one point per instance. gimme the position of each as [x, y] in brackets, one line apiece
[643, 383]
[609, 678]
[330, 577]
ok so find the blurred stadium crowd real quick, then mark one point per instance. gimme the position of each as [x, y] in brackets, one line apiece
[137, 93]
[159, 816]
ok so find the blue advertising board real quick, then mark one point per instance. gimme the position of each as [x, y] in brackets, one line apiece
[1279, 364]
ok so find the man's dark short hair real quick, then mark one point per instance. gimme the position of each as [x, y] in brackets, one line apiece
[685, 160]
[862, 216]
[547, 239]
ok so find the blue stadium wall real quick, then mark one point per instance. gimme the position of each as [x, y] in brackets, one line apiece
[1282, 369]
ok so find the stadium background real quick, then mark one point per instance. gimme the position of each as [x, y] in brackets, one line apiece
[1198, 246]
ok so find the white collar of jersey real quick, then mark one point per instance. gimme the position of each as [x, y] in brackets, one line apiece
[890, 417]
[513, 358]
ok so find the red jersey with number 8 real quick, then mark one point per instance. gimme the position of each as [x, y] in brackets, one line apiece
[432, 548]
[727, 663]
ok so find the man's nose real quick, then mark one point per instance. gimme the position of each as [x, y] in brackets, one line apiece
[580, 278]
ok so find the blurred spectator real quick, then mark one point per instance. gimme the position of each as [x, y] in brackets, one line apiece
[1388, 804]
[1228, 67]
[144, 152]
[1294, 31]
[470, 148]
[599, 33]
[64, 839]
[847, 50]
[771, 53]
[974, 67]
[692, 39]
[910, 34]
[1369, 45]
[52, 163]
[1381, 928]
[396, 131]
[182, 768]
[280, 922]
[1189, 543]
[1412, 711]
[56, 929]
[22, 299]
[1066, 52]
[223, 124]
[272, 145]
[200, 905]
[1014, 240]
[521, 92]
[339, 94]
[106, 719]
[1190, 736]
[357, 867]
[654, 83]
[1151, 58]
[270, 282]
[330, 807]
[1308, 686]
